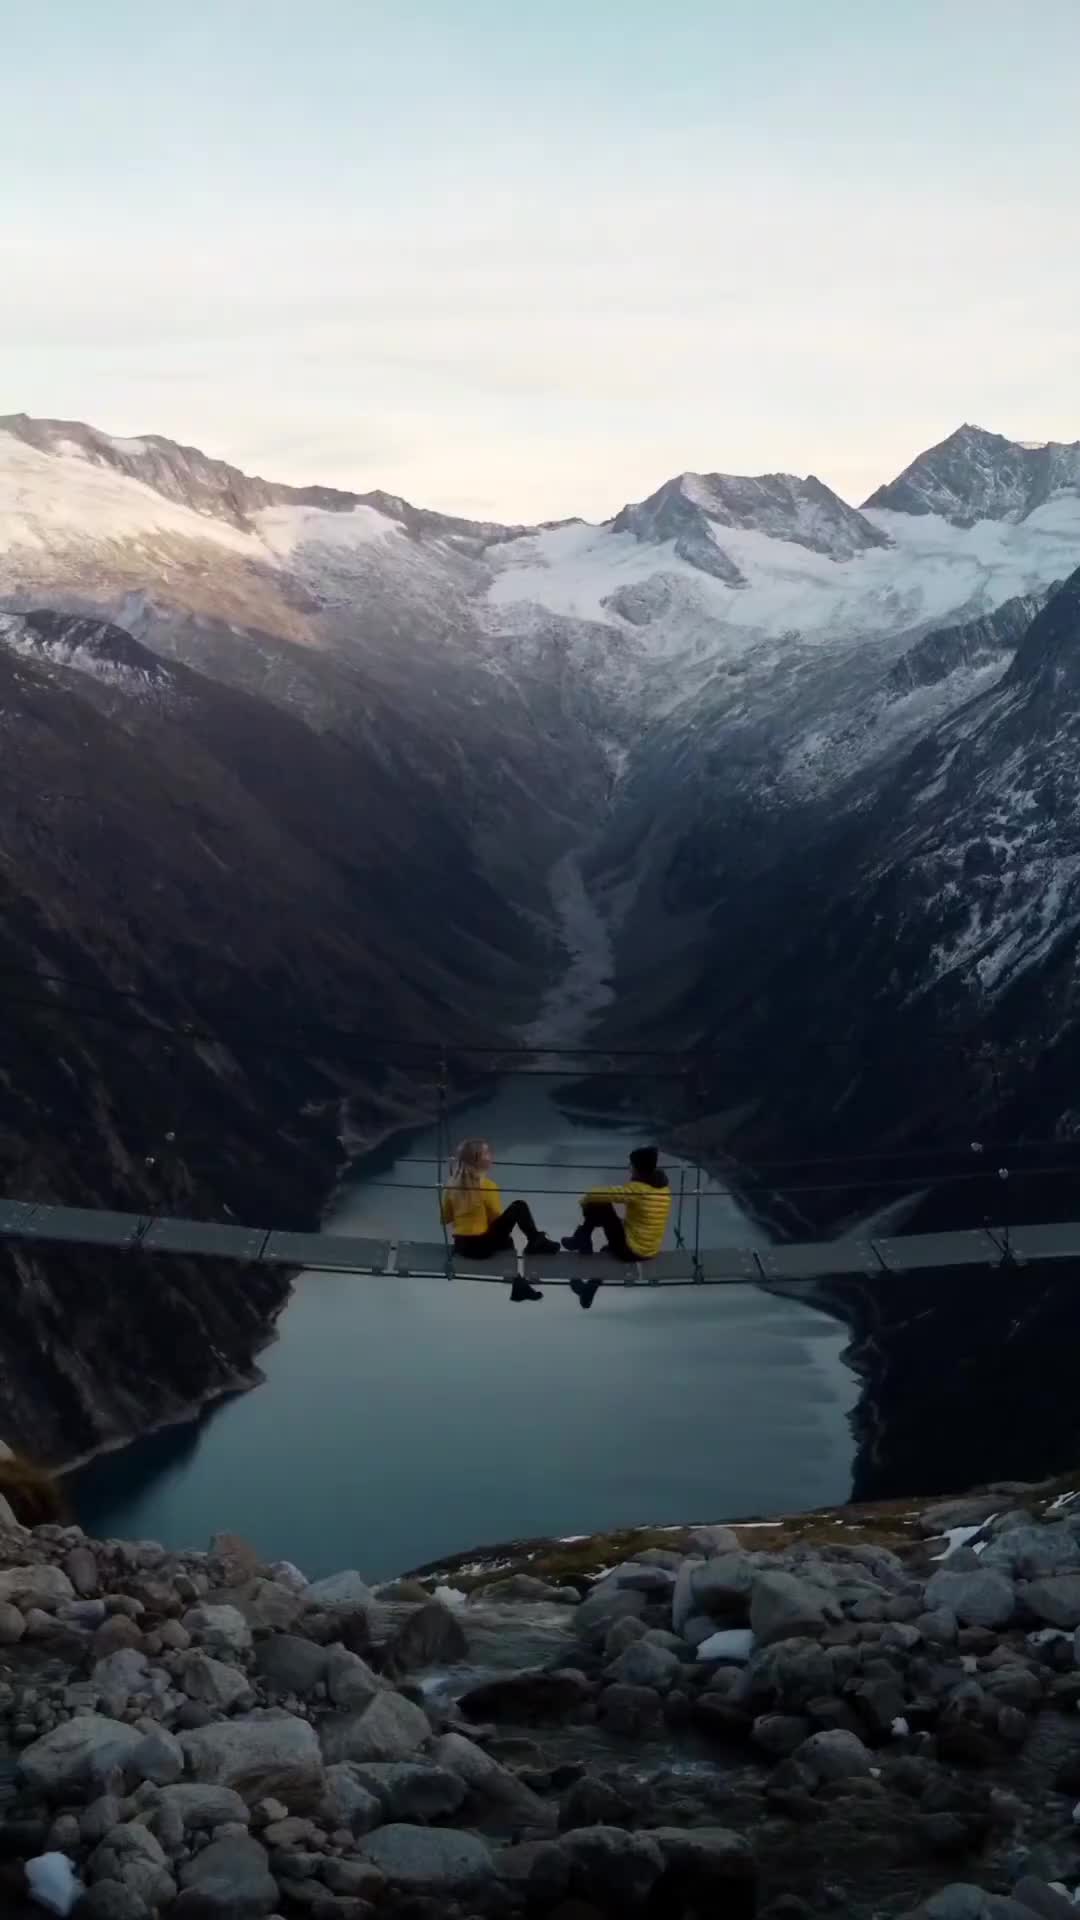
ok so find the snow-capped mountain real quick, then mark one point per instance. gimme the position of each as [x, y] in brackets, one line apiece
[715, 688]
[975, 475]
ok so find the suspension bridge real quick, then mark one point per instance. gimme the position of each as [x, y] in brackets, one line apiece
[873, 1257]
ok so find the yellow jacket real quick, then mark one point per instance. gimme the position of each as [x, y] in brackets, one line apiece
[647, 1208]
[471, 1210]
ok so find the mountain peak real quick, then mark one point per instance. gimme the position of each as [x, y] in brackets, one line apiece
[977, 475]
[689, 508]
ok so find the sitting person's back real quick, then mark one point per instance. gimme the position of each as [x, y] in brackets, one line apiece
[646, 1203]
[470, 1210]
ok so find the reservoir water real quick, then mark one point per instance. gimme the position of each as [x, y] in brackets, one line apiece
[404, 1419]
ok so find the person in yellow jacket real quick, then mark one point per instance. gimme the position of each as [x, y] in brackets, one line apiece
[636, 1234]
[473, 1210]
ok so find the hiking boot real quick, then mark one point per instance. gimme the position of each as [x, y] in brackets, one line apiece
[586, 1291]
[574, 1244]
[542, 1244]
[522, 1291]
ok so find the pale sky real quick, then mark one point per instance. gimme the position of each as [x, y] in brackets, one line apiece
[524, 261]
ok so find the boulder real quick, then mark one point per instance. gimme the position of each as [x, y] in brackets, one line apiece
[834, 1755]
[791, 1673]
[431, 1636]
[347, 1804]
[1028, 1552]
[971, 1511]
[615, 1868]
[112, 1900]
[259, 1754]
[229, 1880]
[1055, 1599]
[525, 1586]
[603, 1607]
[159, 1758]
[532, 1697]
[410, 1791]
[350, 1682]
[711, 1541]
[74, 1760]
[620, 1635]
[222, 1628]
[37, 1586]
[212, 1681]
[339, 1593]
[682, 1599]
[436, 1860]
[731, 1647]
[779, 1734]
[707, 1862]
[783, 1606]
[268, 1603]
[286, 1663]
[81, 1568]
[388, 1728]
[483, 1775]
[12, 1624]
[982, 1599]
[536, 1870]
[643, 1665]
[630, 1710]
[200, 1805]
[721, 1588]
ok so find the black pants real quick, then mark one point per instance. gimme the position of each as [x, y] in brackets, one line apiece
[602, 1214]
[499, 1237]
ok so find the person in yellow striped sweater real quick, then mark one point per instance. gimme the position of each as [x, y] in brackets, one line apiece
[636, 1234]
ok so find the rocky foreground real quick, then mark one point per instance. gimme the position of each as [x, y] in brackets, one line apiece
[710, 1728]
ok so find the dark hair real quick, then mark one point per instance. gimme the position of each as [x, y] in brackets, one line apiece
[643, 1160]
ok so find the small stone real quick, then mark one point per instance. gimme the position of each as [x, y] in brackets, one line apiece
[834, 1755]
[289, 1664]
[173, 1636]
[267, 1811]
[411, 1792]
[780, 1733]
[354, 1879]
[431, 1636]
[158, 1758]
[339, 1593]
[38, 1623]
[99, 1818]
[201, 1805]
[348, 1804]
[114, 1633]
[65, 1834]
[350, 1682]
[213, 1681]
[389, 1728]
[630, 1710]
[642, 1665]
[112, 1900]
[783, 1606]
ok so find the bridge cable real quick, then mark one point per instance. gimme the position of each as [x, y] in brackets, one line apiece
[442, 1142]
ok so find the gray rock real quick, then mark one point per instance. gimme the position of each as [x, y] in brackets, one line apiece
[630, 1710]
[81, 1568]
[112, 1900]
[780, 1733]
[350, 1682]
[632, 1577]
[721, 1589]
[642, 1665]
[286, 1663]
[792, 1673]
[222, 1628]
[982, 1599]
[388, 1728]
[159, 1758]
[12, 1624]
[354, 1879]
[77, 1757]
[259, 1754]
[708, 1860]
[121, 1674]
[132, 1854]
[434, 1860]
[784, 1607]
[213, 1681]
[483, 1775]
[410, 1791]
[1029, 1552]
[339, 1593]
[1055, 1598]
[173, 1636]
[432, 1636]
[347, 1804]
[1043, 1900]
[231, 1880]
[604, 1606]
[682, 1599]
[609, 1865]
[537, 1870]
[99, 1818]
[834, 1755]
[533, 1695]
[711, 1541]
[900, 1636]
[200, 1805]
[37, 1586]
[939, 1625]
[970, 1511]
[268, 1603]
[620, 1635]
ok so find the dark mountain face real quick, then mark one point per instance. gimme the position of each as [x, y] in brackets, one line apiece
[975, 475]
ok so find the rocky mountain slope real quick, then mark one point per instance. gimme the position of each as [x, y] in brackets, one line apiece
[840, 1715]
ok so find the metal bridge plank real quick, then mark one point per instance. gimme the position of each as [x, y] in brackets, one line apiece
[728, 1263]
[86, 1226]
[667, 1268]
[814, 1259]
[914, 1252]
[208, 1237]
[497, 1266]
[421, 1256]
[1052, 1241]
[330, 1252]
[14, 1216]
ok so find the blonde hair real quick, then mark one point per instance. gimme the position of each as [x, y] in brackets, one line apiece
[467, 1164]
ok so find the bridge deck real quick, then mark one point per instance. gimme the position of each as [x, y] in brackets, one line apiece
[715, 1266]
